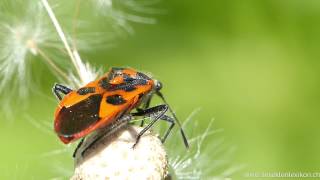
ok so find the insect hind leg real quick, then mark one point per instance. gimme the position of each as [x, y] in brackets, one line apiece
[77, 148]
[115, 126]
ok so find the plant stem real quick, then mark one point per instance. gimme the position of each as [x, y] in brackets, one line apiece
[61, 35]
[74, 24]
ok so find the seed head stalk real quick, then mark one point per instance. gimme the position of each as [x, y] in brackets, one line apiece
[75, 24]
[63, 38]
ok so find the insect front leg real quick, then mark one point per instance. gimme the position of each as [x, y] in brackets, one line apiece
[145, 106]
[58, 88]
[185, 141]
[155, 113]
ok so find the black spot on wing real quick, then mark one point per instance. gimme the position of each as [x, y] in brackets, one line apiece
[116, 100]
[80, 116]
[86, 90]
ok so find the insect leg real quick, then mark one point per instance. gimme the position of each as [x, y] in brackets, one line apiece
[58, 88]
[77, 148]
[146, 106]
[108, 130]
[155, 113]
[168, 119]
[184, 137]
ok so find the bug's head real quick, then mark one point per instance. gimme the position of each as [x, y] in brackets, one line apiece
[157, 85]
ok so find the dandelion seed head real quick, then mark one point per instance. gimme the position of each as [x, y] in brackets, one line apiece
[21, 36]
[114, 157]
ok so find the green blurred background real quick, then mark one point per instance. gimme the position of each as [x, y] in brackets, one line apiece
[251, 65]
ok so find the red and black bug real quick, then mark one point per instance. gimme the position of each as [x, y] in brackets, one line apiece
[108, 102]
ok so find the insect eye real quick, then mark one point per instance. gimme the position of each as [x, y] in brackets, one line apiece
[158, 85]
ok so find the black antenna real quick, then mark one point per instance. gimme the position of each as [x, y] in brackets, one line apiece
[184, 137]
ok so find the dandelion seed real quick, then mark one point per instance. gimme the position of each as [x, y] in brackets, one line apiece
[212, 162]
[22, 36]
[85, 73]
[123, 12]
[18, 39]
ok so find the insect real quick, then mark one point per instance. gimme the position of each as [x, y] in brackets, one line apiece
[107, 103]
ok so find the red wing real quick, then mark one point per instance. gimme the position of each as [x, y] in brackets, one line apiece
[79, 117]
